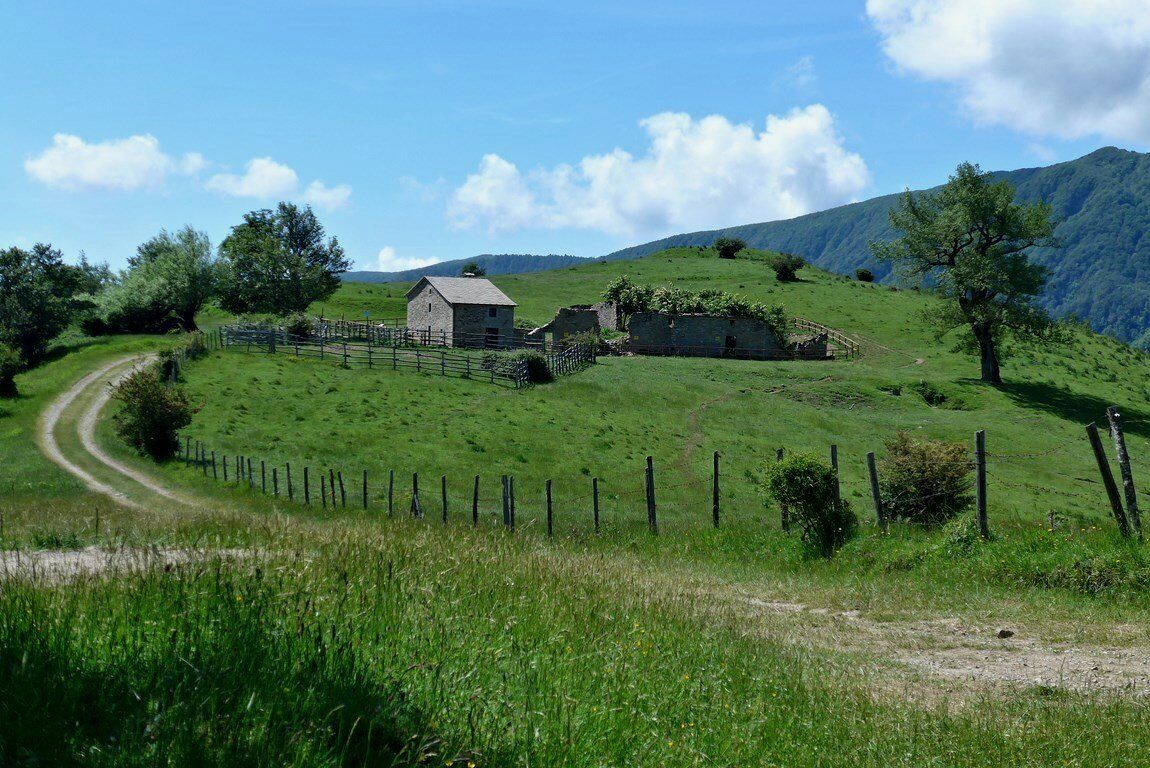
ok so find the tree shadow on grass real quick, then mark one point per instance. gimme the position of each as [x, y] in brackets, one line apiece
[1075, 406]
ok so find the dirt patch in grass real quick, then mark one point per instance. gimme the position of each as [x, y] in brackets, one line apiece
[56, 565]
[962, 657]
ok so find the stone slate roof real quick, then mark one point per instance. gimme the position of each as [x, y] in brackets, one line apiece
[465, 290]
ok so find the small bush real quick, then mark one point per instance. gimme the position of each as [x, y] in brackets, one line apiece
[806, 485]
[786, 266]
[537, 370]
[925, 481]
[10, 365]
[299, 324]
[151, 413]
[864, 275]
[728, 247]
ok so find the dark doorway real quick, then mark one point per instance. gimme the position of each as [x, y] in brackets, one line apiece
[730, 346]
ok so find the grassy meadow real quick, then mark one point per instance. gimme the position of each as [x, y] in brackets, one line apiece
[317, 635]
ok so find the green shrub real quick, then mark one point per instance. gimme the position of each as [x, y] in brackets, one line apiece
[10, 365]
[786, 266]
[151, 413]
[299, 324]
[537, 370]
[806, 484]
[924, 481]
[864, 275]
[728, 246]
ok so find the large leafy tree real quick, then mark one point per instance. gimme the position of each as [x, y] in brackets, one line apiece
[169, 280]
[39, 297]
[279, 262]
[970, 240]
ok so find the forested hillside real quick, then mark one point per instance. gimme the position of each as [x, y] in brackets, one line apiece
[1101, 273]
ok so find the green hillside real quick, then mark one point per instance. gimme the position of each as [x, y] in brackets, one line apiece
[1101, 273]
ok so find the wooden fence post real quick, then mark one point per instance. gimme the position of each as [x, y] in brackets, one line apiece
[224, 463]
[263, 477]
[390, 491]
[880, 519]
[365, 490]
[872, 469]
[416, 506]
[215, 474]
[306, 488]
[835, 470]
[342, 492]
[652, 520]
[275, 482]
[715, 491]
[549, 516]
[784, 513]
[287, 469]
[1124, 468]
[188, 451]
[595, 501]
[443, 496]
[980, 482]
[251, 480]
[323, 490]
[475, 503]
[1108, 479]
[506, 502]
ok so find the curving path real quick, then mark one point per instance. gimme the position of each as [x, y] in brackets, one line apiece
[97, 385]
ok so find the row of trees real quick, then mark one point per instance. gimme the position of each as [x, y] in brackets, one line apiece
[274, 262]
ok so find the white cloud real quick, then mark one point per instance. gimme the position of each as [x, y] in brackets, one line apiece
[122, 165]
[389, 261]
[262, 177]
[695, 174]
[800, 75]
[1065, 68]
[327, 198]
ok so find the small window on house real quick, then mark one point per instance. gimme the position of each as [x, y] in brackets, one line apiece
[491, 311]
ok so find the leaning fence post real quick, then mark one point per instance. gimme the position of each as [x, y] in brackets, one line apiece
[980, 482]
[1108, 479]
[595, 501]
[715, 491]
[549, 516]
[652, 520]
[1124, 467]
[342, 492]
[475, 503]
[872, 469]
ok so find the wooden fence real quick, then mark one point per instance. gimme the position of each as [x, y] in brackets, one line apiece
[493, 367]
[838, 342]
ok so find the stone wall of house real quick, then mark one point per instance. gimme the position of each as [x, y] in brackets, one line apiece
[572, 320]
[609, 316]
[812, 347]
[428, 309]
[472, 321]
[702, 336]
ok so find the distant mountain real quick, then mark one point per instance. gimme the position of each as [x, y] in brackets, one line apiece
[1101, 273]
[495, 264]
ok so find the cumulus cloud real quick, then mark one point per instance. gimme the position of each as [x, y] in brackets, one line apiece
[1071, 68]
[327, 198]
[389, 261]
[262, 177]
[122, 165]
[694, 174]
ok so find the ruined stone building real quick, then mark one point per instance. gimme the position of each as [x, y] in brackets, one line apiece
[657, 333]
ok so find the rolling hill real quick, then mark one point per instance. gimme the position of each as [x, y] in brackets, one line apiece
[495, 264]
[1100, 274]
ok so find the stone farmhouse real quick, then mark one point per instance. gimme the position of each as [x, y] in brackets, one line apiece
[464, 311]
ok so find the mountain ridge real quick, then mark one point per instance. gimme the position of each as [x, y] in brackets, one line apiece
[494, 263]
[1101, 202]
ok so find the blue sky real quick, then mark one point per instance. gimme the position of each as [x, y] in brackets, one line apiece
[425, 131]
